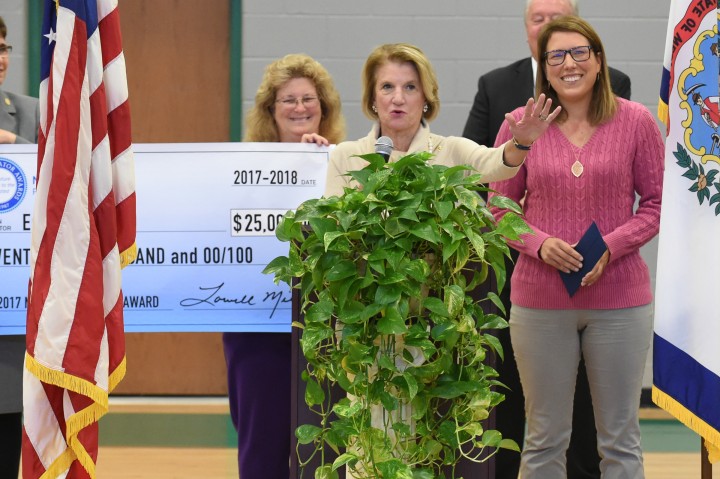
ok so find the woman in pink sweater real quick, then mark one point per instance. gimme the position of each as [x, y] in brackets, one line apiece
[590, 165]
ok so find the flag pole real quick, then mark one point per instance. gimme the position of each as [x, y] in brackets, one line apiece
[705, 466]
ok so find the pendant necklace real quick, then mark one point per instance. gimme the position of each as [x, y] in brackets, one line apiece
[577, 168]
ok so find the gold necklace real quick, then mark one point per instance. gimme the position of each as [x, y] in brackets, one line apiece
[577, 168]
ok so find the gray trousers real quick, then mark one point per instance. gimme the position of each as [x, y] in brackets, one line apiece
[548, 345]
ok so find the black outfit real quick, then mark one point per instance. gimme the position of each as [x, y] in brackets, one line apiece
[501, 91]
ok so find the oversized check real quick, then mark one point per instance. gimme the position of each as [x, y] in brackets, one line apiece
[206, 220]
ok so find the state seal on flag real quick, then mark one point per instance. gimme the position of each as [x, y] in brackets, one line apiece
[698, 86]
[13, 185]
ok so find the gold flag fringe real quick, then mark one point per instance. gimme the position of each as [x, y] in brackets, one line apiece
[128, 256]
[79, 420]
[663, 113]
[117, 375]
[710, 435]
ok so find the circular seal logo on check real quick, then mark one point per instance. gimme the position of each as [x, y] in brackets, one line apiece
[13, 185]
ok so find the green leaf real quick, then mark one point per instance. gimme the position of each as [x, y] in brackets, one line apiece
[412, 385]
[342, 270]
[408, 214]
[512, 226]
[492, 438]
[509, 444]
[461, 256]
[345, 458]
[497, 301]
[454, 300]
[478, 243]
[436, 306]
[444, 208]
[504, 203]
[307, 433]
[322, 226]
[326, 472]
[467, 198]
[344, 408]
[427, 231]
[277, 266]
[443, 331]
[351, 313]
[449, 250]
[288, 230]
[391, 323]
[394, 469]
[387, 294]
[496, 345]
[394, 227]
[314, 394]
[330, 237]
[319, 312]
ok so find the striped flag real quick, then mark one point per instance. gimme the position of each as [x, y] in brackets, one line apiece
[83, 232]
[686, 361]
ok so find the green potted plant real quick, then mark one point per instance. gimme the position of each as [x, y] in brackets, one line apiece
[384, 273]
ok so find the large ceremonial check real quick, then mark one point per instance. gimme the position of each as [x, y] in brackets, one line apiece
[206, 219]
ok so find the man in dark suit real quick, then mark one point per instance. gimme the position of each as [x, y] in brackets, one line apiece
[501, 91]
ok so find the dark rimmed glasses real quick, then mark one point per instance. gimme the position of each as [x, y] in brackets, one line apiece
[557, 57]
[5, 50]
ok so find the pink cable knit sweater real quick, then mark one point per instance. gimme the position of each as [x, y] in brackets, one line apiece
[623, 157]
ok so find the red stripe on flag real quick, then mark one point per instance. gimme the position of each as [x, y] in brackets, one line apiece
[107, 230]
[126, 223]
[116, 335]
[98, 114]
[119, 129]
[109, 28]
[30, 459]
[88, 326]
[67, 128]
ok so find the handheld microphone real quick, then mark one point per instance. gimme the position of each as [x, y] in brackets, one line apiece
[384, 147]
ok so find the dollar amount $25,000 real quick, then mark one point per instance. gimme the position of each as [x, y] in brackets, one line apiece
[255, 222]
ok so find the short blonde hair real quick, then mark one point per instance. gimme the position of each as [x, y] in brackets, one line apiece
[603, 104]
[260, 121]
[400, 53]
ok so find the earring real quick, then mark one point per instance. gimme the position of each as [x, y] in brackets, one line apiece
[425, 108]
[374, 108]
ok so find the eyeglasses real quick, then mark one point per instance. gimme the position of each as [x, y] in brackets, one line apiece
[307, 101]
[557, 57]
[5, 50]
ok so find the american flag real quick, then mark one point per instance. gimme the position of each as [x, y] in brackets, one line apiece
[83, 233]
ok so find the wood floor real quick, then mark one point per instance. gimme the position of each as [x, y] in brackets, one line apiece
[182, 463]
[116, 462]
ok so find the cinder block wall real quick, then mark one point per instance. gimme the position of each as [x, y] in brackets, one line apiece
[462, 38]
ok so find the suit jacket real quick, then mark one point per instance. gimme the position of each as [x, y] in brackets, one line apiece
[504, 89]
[20, 115]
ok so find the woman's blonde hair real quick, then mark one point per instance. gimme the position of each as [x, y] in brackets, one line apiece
[603, 103]
[261, 126]
[400, 53]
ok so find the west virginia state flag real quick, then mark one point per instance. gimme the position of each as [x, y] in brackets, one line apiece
[686, 361]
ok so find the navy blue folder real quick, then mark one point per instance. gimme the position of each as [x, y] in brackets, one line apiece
[591, 246]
